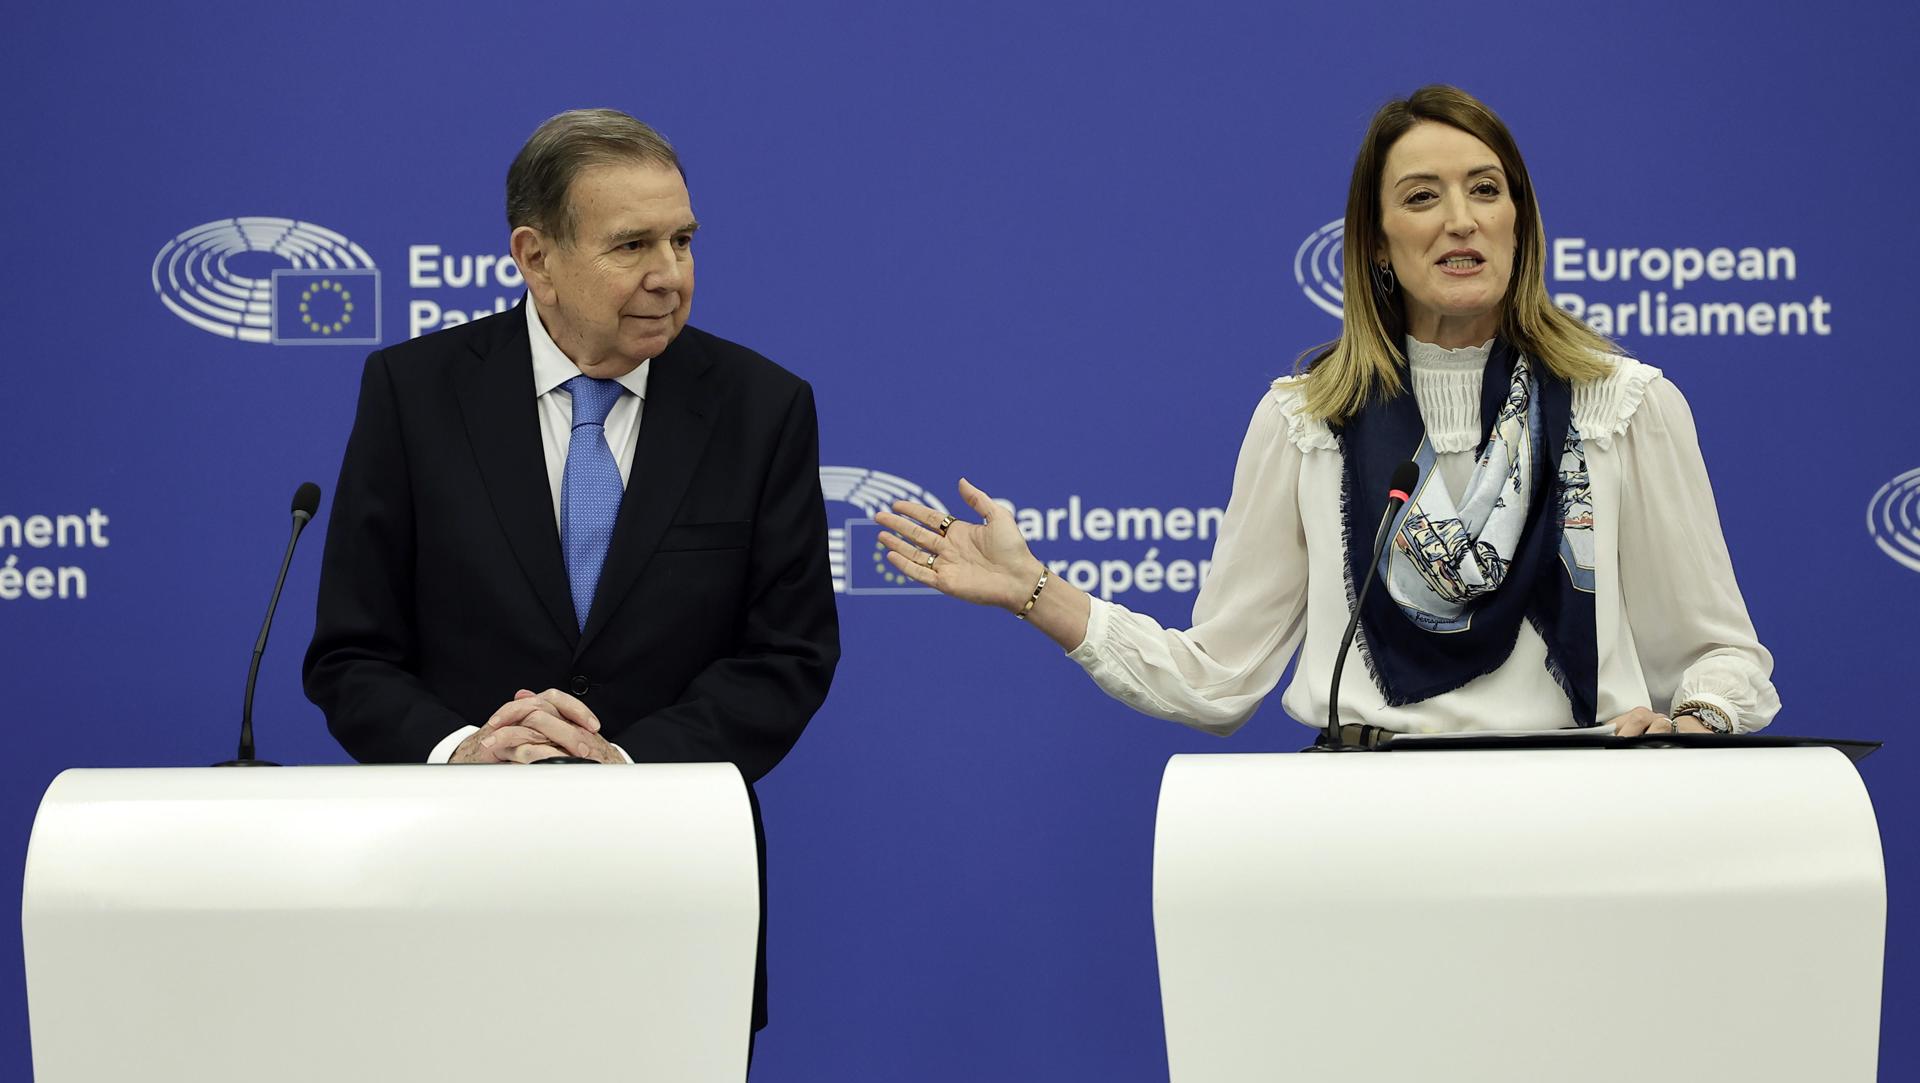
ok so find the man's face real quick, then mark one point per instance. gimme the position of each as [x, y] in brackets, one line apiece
[621, 291]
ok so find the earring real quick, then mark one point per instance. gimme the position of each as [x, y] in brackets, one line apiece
[1383, 278]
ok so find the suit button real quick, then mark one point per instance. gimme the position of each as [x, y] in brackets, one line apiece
[580, 686]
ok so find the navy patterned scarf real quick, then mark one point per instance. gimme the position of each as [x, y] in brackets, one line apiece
[1461, 574]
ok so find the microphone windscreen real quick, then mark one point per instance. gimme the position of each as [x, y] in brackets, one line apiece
[307, 499]
[1405, 476]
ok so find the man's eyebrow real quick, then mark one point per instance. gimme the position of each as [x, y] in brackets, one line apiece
[625, 235]
[1474, 172]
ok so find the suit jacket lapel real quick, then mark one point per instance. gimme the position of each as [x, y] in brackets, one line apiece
[674, 429]
[503, 426]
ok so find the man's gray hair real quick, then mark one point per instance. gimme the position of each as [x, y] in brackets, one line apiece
[560, 150]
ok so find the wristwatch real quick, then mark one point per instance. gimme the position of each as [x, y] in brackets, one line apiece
[1710, 716]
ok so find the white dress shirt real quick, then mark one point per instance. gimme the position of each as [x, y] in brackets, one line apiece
[1671, 625]
[551, 368]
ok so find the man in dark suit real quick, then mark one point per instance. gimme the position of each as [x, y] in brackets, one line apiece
[579, 527]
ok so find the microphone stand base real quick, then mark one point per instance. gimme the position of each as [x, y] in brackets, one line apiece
[247, 763]
[1352, 738]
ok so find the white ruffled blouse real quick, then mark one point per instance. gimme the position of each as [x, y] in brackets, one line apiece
[1672, 626]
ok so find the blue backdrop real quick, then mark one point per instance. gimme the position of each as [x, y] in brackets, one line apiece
[1058, 248]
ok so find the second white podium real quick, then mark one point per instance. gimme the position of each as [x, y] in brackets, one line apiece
[1570, 915]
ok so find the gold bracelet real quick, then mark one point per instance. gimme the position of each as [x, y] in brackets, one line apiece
[1037, 588]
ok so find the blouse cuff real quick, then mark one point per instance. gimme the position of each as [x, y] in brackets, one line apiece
[1099, 624]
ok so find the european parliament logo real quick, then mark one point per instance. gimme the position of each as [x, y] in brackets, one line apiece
[271, 280]
[857, 558]
[1893, 519]
[1318, 266]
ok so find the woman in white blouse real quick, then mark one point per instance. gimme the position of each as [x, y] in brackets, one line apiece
[1560, 562]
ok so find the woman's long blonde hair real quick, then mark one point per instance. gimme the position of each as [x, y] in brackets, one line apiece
[1367, 359]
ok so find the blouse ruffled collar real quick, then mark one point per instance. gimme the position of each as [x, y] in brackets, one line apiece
[1446, 382]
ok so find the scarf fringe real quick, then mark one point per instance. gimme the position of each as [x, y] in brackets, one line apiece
[1353, 595]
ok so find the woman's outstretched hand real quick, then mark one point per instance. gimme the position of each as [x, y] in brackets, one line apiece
[987, 563]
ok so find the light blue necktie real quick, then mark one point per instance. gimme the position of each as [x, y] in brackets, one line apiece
[590, 489]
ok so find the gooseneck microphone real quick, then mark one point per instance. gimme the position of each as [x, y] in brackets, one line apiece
[306, 501]
[1399, 488]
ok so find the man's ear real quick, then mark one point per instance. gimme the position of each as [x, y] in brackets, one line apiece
[532, 250]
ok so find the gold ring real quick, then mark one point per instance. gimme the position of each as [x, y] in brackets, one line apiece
[945, 524]
[930, 559]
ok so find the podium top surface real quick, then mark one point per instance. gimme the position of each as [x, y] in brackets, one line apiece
[1854, 750]
[348, 779]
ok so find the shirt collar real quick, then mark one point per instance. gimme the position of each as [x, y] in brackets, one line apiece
[551, 367]
[1425, 356]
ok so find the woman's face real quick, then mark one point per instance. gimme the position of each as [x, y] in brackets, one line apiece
[1447, 220]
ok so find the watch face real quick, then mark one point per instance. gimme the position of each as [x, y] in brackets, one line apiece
[1710, 716]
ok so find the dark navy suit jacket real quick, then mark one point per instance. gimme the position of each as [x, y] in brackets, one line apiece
[712, 635]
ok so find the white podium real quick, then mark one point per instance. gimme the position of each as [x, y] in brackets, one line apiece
[570, 923]
[1566, 915]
